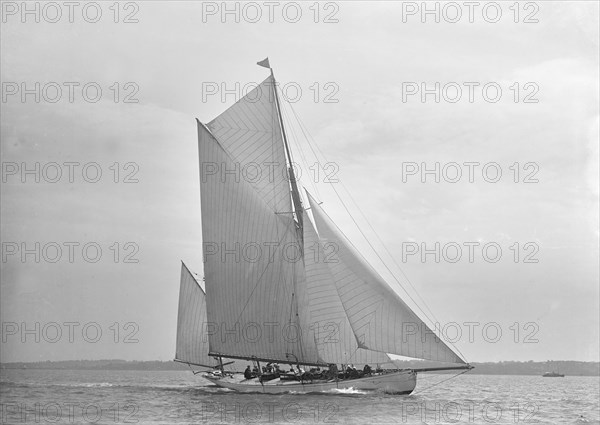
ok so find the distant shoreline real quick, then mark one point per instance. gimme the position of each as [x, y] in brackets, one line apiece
[569, 368]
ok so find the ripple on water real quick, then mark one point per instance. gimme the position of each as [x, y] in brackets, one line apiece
[182, 398]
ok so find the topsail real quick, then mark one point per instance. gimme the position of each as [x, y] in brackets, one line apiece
[250, 132]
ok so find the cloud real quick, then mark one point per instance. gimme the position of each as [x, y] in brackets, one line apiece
[369, 134]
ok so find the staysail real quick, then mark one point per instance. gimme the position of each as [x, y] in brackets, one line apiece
[192, 344]
[333, 333]
[381, 321]
[251, 262]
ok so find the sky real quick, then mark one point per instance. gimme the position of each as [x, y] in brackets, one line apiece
[361, 70]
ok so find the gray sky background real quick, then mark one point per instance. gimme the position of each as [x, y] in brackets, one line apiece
[369, 133]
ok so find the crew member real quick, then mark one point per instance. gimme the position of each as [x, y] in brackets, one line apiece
[248, 373]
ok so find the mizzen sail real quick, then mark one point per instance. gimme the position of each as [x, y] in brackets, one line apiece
[192, 344]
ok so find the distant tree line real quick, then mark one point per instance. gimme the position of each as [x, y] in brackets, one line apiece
[568, 367]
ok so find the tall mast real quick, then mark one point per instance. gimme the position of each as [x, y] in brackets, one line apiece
[295, 194]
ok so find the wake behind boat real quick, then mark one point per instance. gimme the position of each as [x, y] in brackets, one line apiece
[281, 288]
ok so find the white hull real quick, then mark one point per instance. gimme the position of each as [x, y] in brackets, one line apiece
[395, 383]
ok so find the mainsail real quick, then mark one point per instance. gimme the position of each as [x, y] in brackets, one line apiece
[192, 345]
[379, 318]
[252, 262]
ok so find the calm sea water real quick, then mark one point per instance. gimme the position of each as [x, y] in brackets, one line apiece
[173, 397]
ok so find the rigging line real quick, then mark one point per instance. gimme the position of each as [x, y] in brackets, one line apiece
[308, 137]
[294, 298]
[399, 268]
[353, 246]
[279, 125]
[386, 250]
[293, 139]
[297, 144]
[352, 355]
[273, 129]
[282, 115]
[298, 169]
[372, 247]
[368, 242]
[274, 126]
[300, 346]
[441, 382]
[194, 372]
[389, 253]
[296, 197]
[302, 128]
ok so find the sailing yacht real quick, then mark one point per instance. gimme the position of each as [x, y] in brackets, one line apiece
[284, 292]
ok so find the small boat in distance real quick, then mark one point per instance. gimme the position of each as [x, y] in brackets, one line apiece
[553, 374]
[301, 311]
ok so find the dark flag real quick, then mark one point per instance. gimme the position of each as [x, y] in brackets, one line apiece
[264, 63]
